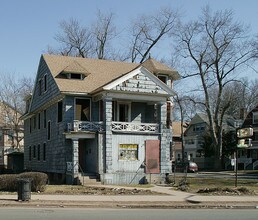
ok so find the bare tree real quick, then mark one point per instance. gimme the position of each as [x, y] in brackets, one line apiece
[74, 39]
[103, 31]
[148, 30]
[12, 94]
[215, 47]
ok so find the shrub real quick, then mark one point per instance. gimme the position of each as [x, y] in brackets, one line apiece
[38, 180]
[8, 182]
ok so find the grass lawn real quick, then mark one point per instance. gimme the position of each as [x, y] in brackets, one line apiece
[196, 184]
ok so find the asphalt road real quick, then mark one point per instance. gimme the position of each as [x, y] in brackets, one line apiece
[127, 214]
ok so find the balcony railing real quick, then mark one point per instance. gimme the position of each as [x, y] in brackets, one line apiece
[115, 126]
[134, 127]
[85, 126]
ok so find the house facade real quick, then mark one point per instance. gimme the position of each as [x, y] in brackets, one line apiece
[100, 117]
[249, 156]
[11, 135]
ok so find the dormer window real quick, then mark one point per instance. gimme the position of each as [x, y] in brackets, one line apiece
[163, 78]
[75, 76]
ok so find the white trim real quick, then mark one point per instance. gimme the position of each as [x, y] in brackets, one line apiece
[135, 72]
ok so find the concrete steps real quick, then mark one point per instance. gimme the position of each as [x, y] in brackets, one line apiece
[88, 179]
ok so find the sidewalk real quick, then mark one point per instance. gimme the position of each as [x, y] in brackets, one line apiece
[172, 199]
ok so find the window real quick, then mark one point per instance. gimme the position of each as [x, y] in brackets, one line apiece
[75, 76]
[45, 118]
[39, 120]
[124, 112]
[29, 153]
[255, 117]
[45, 82]
[60, 111]
[163, 78]
[44, 152]
[38, 152]
[128, 152]
[82, 110]
[34, 122]
[34, 151]
[40, 87]
[30, 125]
[48, 130]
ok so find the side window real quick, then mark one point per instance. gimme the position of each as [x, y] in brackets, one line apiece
[44, 152]
[45, 82]
[45, 118]
[48, 130]
[40, 87]
[60, 111]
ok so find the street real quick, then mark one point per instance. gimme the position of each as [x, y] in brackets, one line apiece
[127, 214]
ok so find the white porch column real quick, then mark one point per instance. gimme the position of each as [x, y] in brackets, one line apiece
[108, 135]
[75, 160]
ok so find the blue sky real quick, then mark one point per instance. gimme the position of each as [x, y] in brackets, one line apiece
[29, 26]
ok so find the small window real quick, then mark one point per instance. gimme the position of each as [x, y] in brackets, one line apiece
[34, 151]
[48, 130]
[39, 120]
[75, 76]
[60, 111]
[40, 87]
[128, 152]
[38, 152]
[163, 78]
[45, 82]
[45, 118]
[29, 153]
[34, 122]
[44, 152]
[30, 125]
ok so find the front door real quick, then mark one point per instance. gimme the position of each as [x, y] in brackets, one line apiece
[88, 156]
[152, 149]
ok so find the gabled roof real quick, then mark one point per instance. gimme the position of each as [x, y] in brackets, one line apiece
[199, 118]
[156, 67]
[98, 72]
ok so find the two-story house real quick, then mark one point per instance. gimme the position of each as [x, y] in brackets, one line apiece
[97, 116]
[11, 135]
[249, 156]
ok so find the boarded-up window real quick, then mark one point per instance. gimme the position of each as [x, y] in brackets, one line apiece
[152, 156]
[128, 152]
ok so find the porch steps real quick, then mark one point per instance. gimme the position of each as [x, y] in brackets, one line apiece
[88, 179]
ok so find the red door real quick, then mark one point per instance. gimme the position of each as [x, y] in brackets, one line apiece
[152, 149]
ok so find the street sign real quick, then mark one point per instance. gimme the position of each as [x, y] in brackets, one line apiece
[245, 132]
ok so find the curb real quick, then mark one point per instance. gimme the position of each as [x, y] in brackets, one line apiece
[128, 205]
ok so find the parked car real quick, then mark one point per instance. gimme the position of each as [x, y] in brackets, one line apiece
[182, 166]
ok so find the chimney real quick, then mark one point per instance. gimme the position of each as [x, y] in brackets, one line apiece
[242, 113]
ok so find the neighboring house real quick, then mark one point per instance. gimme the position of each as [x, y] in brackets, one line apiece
[99, 117]
[198, 127]
[194, 135]
[11, 134]
[249, 156]
[177, 140]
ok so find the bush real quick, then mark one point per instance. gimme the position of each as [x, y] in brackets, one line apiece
[8, 182]
[38, 180]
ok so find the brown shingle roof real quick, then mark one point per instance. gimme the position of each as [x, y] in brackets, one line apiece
[157, 67]
[98, 72]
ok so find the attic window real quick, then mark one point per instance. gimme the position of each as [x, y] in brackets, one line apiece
[75, 76]
[163, 78]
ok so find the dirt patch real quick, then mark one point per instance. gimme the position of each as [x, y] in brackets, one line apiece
[91, 190]
[226, 191]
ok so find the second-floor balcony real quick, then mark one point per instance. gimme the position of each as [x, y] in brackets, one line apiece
[123, 127]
